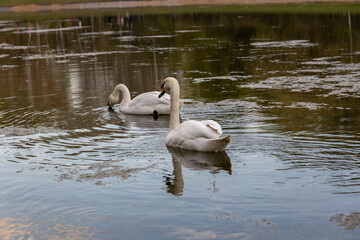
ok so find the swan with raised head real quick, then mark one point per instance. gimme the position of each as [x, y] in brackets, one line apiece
[204, 136]
[144, 104]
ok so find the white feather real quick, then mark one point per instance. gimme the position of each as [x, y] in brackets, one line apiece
[146, 103]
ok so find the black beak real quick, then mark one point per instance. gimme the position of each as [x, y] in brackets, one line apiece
[162, 90]
[162, 93]
[109, 106]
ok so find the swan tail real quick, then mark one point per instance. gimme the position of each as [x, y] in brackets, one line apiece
[220, 144]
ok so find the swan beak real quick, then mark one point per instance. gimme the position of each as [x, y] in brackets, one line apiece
[162, 89]
[162, 93]
[109, 106]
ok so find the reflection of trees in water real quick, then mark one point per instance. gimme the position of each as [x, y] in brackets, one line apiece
[349, 222]
[213, 162]
[74, 63]
[51, 76]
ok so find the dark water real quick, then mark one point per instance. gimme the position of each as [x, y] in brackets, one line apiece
[286, 87]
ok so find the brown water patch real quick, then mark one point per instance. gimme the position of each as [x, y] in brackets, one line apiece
[349, 222]
[97, 172]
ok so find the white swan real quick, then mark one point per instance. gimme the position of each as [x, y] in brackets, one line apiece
[204, 136]
[143, 104]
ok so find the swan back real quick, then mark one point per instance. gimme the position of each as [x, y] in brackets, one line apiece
[147, 103]
[213, 125]
[198, 136]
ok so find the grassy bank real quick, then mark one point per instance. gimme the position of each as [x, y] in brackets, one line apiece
[8, 3]
[314, 8]
[269, 8]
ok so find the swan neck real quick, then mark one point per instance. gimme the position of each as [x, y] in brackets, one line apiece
[174, 114]
[126, 98]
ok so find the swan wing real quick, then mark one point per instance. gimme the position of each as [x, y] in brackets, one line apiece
[150, 99]
[198, 136]
[213, 125]
[194, 129]
[147, 103]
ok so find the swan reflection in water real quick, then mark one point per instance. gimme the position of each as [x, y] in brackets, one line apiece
[212, 161]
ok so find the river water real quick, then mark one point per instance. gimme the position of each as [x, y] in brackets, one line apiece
[286, 87]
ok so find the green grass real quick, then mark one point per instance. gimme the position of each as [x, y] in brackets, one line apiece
[315, 8]
[7, 3]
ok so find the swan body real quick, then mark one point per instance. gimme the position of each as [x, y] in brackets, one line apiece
[203, 136]
[143, 104]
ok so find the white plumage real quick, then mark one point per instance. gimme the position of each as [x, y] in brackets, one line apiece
[204, 136]
[143, 104]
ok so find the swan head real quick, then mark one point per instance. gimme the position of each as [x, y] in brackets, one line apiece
[110, 108]
[115, 95]
[112, 100]
[168, 84]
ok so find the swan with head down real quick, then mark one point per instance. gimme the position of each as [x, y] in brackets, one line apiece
[203, 136]
[146, 103]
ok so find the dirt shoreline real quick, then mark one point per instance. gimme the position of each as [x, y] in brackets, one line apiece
[161, 3]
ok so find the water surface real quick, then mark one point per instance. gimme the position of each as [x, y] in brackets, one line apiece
[284, 86]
